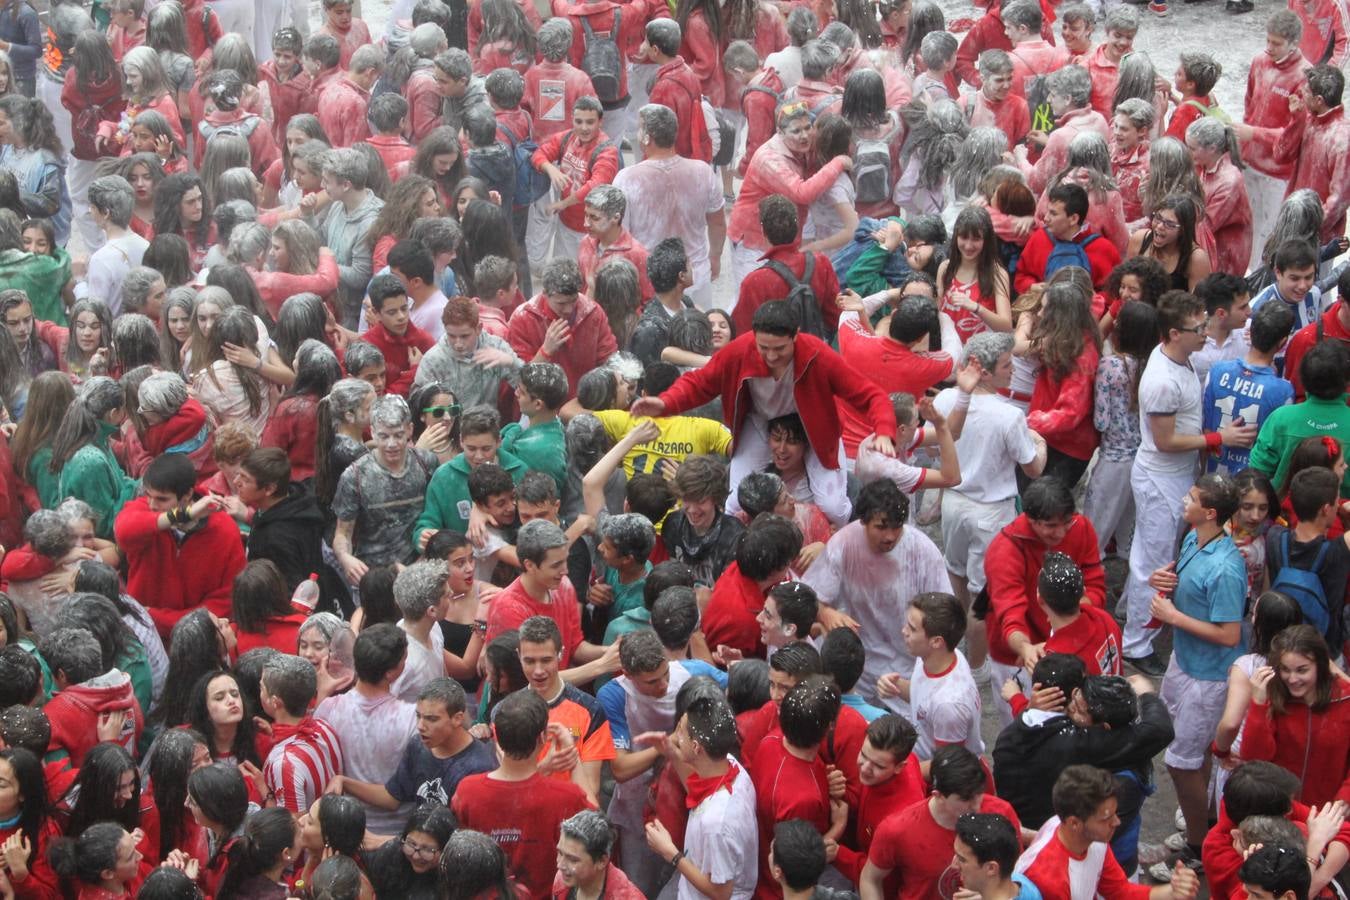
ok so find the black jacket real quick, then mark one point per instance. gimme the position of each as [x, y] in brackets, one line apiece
[1031, 753]
[290, 534]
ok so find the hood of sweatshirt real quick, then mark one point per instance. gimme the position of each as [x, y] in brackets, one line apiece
[105, 693]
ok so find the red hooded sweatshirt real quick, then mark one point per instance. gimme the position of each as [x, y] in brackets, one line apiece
[173, 577]
[187, 431]
[1222, 861]
[819, 374]
[1312, 744]
[1013, 564]
[74, 714]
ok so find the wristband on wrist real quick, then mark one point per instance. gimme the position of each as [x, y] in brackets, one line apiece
[1213, 441]
[675, 860]
[1219, 754]
[962, 400]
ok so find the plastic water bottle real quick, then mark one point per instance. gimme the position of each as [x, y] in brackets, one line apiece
[306, 596]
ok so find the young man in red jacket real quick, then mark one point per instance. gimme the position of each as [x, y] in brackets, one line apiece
[344, 103]
[182, 551]
[778, 219]
[287, 81]
[401, 342]
[552, 87]
[1017, 625]
[575, 161]
[773, 371]
[1065, 216]
[677, 87]
[85, 692]
[562, 325]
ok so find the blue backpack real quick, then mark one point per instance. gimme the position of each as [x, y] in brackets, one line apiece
[1305, 586]
[1068, 253]
[531, 184]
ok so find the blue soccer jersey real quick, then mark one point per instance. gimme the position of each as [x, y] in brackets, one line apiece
[1236, 389]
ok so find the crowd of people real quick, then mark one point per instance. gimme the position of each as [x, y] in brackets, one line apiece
[387, 509]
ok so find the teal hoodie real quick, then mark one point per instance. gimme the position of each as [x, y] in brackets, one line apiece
[541, 447]
[94, 476]
[448, 500]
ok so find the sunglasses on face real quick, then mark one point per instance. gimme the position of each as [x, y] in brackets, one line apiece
[440, 412]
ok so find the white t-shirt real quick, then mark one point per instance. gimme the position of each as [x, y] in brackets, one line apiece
[876, 589]
[772, 397]
[424, 665]
[993, 442]
[484, 557]
[823, 219]
[1168, 388]
[722, 840]
[946, 708]
[872, 466]
[373, 731]
[672, 198]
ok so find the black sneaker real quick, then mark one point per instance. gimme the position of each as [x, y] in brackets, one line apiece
[1151, 665]
[1237, 7]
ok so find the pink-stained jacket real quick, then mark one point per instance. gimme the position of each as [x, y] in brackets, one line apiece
[261, 144]
[590, 256]
[1104, 75]
[703, 53]
[276, 287]
[759, 107]
[342, 112]
[1035, 57]
[1056, 152]
[1130, 169]
[770, 36]
[1319, 148]
[356, 37]
[988, 34]
[775, 170]
[590, 343]
[820, 96]
[551, 90]
[1324, 30]
[121, 40]
[1229, 214]
[424, 104]
[1266, 108]
[1011, 116]
[1106, 216]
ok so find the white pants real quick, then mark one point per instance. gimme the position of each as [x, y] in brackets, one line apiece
[1109, 503]
[79, 175]
[1266, 195]
[622, 124]
[1157, 524]
[998, 674]
[236, 17]
[744, 260]
[829, 487]
[546, 237]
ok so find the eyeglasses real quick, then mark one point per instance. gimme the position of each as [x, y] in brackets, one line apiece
[417, 849]
[1195, 329]
[440, 412]
[1164, 224]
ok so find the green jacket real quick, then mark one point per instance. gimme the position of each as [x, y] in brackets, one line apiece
[448, 500]
[44, 481]
[94, 476]
[1285, 427]
[541, 447]
[42, 278]
[631, 620]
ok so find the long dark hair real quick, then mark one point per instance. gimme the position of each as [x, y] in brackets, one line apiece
[925, 18]
[301, 317]
[487, 232]
[342, 820]
[1187, 215]
[259, 594]
[170, 256]
[685, 10]
[1305, 640]
[168, 766]
[1064, 329]
[80, 425]
[974, 221]
[504, 20]
[169, 198]
[32, 120]
[421, 396]
[198, 718]
[236, 326]
[94, 794]
[1272, 613]
[1135, 336]
[32, 784]
[49, 396]
[92, 60]
[220, 793]
[439, 141]
[390, 870]
[316, 371]
[473, 867]
[267, 834]
[194, 650]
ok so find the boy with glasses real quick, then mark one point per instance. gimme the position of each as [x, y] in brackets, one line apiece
[1170, 425]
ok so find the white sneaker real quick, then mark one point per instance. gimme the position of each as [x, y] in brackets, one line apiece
[1160, 873]
[930, 510]
[983, 674]
[1175, 843]
[1151, 854]
[1179, 820]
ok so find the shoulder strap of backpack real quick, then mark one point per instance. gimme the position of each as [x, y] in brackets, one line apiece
[595, 154]
[783, 272]
[586, 27]
[562, 146]
[1089, 239]
[1320, 329]
[510, 134]
[809, 270]
[1198, 105]
[1321, 556]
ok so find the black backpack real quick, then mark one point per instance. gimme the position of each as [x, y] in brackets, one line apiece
[801, 295]
[602, 60]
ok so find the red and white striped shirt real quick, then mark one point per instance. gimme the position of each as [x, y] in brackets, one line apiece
[303, 760]
[1062, 876]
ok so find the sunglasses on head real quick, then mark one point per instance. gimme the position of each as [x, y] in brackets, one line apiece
[440, 412]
